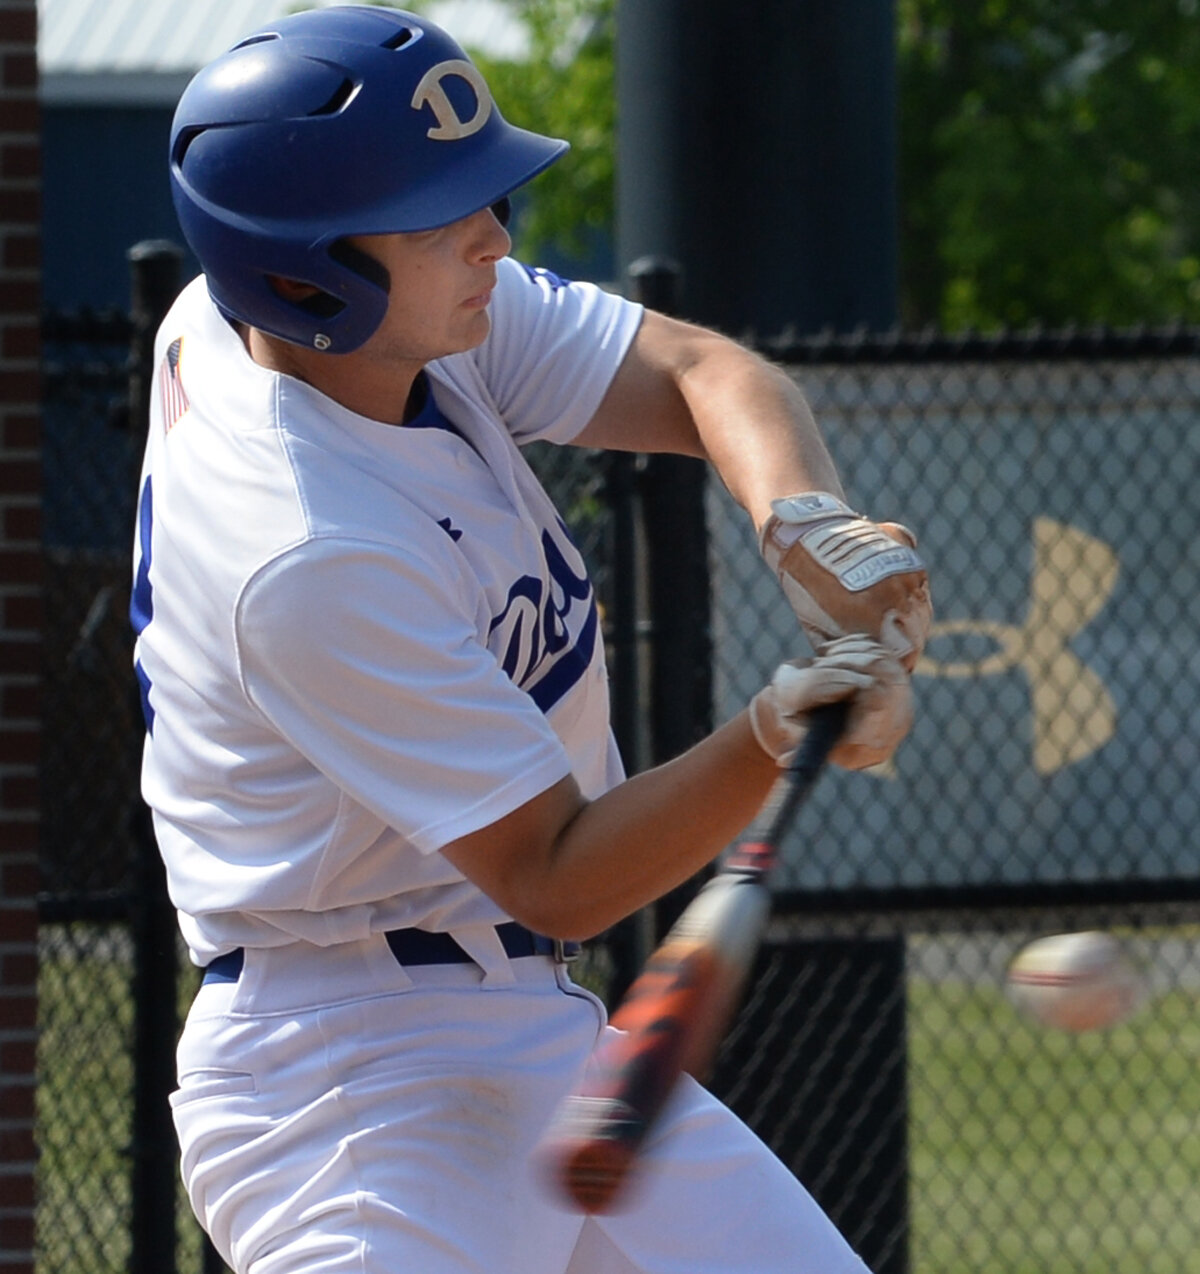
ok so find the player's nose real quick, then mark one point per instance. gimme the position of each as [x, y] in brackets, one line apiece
[488, 240]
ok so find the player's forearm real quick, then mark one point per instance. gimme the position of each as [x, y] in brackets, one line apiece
[691, 391]
[571, 868]
[656, 830]
[757, 429]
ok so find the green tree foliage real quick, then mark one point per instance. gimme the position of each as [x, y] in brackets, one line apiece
[1049, 161]
[1049, 153]
[565, 89]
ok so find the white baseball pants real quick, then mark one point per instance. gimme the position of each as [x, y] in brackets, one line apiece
[338, 1114]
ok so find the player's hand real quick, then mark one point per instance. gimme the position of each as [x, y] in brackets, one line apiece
[848, 666]
[845, 574]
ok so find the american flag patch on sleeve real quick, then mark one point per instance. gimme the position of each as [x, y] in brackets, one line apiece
[170, 386]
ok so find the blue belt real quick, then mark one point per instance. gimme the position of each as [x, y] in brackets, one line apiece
[420, 946]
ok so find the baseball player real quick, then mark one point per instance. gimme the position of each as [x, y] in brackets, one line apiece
[378, 753]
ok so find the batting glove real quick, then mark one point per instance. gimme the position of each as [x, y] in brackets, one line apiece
[849, 666]
[845, 574]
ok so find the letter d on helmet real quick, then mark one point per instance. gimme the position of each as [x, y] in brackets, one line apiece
[350, 120]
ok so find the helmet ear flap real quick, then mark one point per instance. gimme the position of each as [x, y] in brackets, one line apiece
[362, 263]
[324, 306]
[320, 304]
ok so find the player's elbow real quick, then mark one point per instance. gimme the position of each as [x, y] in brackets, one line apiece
[518, 861]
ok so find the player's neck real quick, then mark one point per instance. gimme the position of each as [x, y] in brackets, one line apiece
[390, 395]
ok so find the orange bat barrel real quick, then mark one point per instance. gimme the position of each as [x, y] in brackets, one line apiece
[671, 1021]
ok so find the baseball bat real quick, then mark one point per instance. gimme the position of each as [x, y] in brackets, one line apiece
[676, 1012]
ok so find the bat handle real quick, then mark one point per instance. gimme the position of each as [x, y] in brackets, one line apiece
[825, 725]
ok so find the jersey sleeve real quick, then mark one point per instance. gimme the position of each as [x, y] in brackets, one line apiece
[553, 350]
[367, 659]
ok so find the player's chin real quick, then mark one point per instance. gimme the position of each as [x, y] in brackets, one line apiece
[477, 323]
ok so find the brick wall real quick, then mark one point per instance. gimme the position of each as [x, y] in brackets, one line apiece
[20, 619]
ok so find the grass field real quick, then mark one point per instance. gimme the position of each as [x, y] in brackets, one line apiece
[1031, 1152]
[1036, 1152]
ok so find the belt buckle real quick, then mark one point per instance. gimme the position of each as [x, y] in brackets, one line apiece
[566, 952]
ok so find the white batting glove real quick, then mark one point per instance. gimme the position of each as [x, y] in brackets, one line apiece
[845, 574]
[856, 666]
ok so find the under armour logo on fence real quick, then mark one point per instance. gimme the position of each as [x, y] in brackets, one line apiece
[430, 92]
[1074, 575]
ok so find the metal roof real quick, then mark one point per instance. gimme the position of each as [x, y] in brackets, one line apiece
[145, 51]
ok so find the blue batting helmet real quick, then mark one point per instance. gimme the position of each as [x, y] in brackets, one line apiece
[340, 121]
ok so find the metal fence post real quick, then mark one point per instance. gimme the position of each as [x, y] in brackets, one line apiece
[155, 273]
[677, 573]
[677, 566]
[630, 940]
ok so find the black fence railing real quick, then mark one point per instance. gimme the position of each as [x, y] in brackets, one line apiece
[1048, 784]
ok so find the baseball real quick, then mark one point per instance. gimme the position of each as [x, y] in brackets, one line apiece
[1075, 982]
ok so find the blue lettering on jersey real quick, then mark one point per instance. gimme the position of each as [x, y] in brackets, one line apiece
[141, 601]
[545, 643]
[537, 272]
[451, 530]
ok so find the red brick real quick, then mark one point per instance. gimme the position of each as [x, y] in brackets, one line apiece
[18, 25]
[21, 879]
[21, 207]
[22, 251]
[19, 968]
[18, 1056]
[19, 430]
[19, 924]
[22, 522]
[20, 113]
[18, 1012]
[20, 70]
[16, 1231]
[20, 747]
[23, 387]
[20, 160]
[16, 1103]
[21, 701]
[18, 1190]
[20, 477]
[19, 656]
[20, 792]
[20, 296]
[19, 566]
[23, 612]
[21, 340]
[17, 1145]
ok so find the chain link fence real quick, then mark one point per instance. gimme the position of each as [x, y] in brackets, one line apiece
[1047, 785]
[89, 787]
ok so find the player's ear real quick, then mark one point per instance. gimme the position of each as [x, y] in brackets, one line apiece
[292, 289]
[312, 300]
[322, 304]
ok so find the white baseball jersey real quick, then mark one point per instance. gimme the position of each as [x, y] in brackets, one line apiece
[358, 642]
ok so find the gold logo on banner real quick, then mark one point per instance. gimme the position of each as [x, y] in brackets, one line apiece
[1073, 713]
